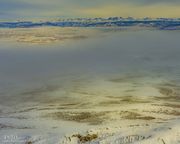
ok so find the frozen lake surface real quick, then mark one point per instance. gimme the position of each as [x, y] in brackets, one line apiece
[58, 81]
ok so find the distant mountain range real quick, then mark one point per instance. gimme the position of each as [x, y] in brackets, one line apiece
[160, 23]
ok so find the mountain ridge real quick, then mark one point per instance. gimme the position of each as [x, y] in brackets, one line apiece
[161, 23]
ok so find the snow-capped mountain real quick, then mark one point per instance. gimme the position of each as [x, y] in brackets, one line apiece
[161, 23]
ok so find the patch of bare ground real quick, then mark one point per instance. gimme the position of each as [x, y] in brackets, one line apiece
[132, 100]
[4, 126]
[122, 100]
[166, 91]
[41, 90]
[134, 116]
[44, 35]
[86, 138]
[169, 94]
[109, 102]
[169, 90]
[169, 98]
[126, 78]
[27, 110]
[28, 142]
[92, 118]
[172, 105]
[166, 112]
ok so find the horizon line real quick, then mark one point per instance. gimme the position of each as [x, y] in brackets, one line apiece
[76, 18]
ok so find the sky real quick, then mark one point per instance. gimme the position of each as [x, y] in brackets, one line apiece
[51, 9]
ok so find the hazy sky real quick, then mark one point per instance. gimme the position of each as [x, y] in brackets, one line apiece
[46, 9]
